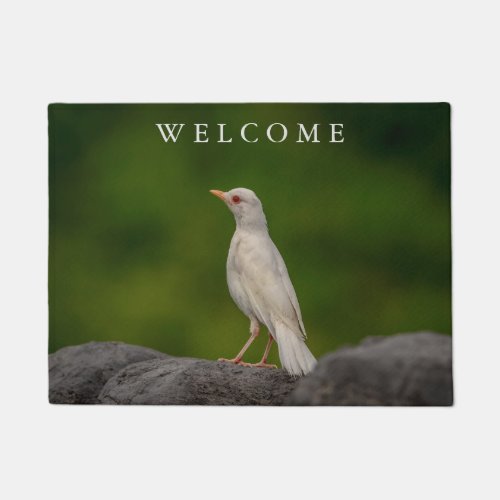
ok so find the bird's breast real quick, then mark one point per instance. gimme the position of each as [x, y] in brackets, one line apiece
[251, 256]
[247, 265]
[236, 285]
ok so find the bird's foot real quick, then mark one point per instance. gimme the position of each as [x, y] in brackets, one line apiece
[235, 361]
[257, 365]
[239, 362]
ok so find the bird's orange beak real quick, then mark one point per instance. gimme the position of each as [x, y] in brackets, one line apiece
[219, 194]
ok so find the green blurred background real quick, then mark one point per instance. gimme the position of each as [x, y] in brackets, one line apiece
[138, 246]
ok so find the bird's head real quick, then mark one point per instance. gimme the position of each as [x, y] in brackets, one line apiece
[245, 205]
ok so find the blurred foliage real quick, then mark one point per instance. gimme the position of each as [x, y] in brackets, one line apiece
[138, 245]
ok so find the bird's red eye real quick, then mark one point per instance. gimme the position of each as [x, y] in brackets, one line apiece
[236, 199]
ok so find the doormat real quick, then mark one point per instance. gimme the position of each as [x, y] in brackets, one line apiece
[250, 254]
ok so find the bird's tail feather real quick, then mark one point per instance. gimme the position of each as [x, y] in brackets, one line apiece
[295, 357]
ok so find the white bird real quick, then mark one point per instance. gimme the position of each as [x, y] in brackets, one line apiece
[259, 284]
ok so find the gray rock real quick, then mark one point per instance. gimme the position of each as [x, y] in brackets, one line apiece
[78, 373]
[187, 381]
[405, 369]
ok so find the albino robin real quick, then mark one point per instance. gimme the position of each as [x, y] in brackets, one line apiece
[258, 282]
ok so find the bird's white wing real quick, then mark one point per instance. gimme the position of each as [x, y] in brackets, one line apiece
[265, 279]
[289, 288]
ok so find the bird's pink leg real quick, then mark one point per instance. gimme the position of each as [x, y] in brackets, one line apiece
[253, 336]
[263, 362]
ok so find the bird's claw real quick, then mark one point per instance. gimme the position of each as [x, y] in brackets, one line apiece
[264, 365]
[235, 361]
[257, 365]
[239, 362]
